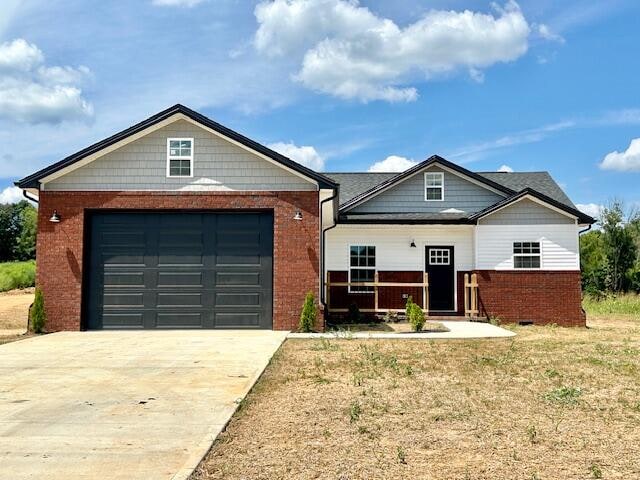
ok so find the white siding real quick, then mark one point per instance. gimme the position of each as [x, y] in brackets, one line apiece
[559, 245]
[219, 165]
[392, 245]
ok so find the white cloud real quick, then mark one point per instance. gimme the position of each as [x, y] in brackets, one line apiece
[11, 195]
[32, 92]
[393, 163]
[347, 51]
[505, 168]
[176, 3]
[592, 209]
[627, 161]
[305, 155]
[545, 32]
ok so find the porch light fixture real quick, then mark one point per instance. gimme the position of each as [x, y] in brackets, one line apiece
[298, 215]
[55, 218]
[413, 244]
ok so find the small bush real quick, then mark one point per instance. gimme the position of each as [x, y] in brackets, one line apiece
[415, 315]
[354, 315]
[37, 314]
[564, 395]
[391, 316]
[308, 314]
[17, 275]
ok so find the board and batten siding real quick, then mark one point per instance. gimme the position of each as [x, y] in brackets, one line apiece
[408, 196]
[393, 250]
[219, 165]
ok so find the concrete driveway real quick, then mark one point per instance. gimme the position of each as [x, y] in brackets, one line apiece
[122, 405]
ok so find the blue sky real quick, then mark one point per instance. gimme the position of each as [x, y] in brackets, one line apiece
[339, 85]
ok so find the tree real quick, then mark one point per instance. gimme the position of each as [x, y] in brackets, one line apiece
[593, 262]
[619, 246]
[18, 225]
[25, 244]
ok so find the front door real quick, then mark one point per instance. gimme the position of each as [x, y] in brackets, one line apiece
[440, 267]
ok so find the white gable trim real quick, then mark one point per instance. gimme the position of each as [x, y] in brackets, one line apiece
[136, 136]
[533, 199]
[423, 170]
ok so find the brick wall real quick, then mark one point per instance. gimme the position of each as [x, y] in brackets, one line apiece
[543, 296]
[296, 257]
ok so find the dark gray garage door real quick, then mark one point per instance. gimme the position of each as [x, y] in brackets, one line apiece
[180, 270]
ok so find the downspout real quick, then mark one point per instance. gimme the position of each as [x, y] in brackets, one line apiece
[26, 195]
[322, 253]
[585, 230]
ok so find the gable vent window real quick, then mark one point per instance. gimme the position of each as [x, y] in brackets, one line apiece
[362, 267]
[180, 157]
[433, 186]
[526, 255]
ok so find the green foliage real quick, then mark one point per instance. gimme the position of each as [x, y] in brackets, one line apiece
[354, 314]
[308, 314]
[415, 315]
[17, 231]
[17, 275]
[619, 247]
[612, 304]
[564, 395]
[593, 262]
[37, 314]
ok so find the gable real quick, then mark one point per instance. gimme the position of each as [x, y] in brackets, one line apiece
[527, 212]
[219, 165]
[407, 196]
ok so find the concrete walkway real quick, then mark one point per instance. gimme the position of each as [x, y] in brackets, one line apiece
[457, 329]
[122, 405]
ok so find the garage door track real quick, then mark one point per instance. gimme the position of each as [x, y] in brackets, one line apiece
[122, 405]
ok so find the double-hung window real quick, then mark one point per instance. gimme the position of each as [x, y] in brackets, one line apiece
[179, 157]
[362, 267]
[526, 255]
[433, 186]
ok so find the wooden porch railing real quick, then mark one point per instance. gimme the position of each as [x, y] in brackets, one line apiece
[376, 284]
[471, 295]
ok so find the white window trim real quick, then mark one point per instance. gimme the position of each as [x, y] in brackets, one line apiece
[441, 187]
[181, 157]
[374, 268]
[442, 251]
[514, 255]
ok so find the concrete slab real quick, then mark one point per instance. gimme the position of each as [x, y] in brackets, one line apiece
[122, 405]
[457, 329]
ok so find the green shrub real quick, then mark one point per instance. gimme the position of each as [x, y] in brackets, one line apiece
[415, 315]
[37, 315]
[17, 275]
[308, 314]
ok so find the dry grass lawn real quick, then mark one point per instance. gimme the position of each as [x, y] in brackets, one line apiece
[552, 403]
[14, 310]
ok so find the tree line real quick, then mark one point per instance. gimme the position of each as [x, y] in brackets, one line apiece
[18, 227]
[609, 257]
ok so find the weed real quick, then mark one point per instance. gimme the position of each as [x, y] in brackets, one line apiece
[552, 373]
[324, 344]
[17, 275]
[355, 410]
[596, 471]
[401, 454]
[532, 433]
[564, 395]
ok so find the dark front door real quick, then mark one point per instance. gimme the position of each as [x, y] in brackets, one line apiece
[180, 270]
[440, 266]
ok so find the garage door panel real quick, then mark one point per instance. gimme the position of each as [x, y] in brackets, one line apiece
[236, 320]
[192, 270]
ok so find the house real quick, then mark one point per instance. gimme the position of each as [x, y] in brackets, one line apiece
[180, 222]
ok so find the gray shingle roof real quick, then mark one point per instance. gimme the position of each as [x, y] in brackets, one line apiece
[353, 184]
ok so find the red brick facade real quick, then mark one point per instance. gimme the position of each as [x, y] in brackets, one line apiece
[544, 297]
[60, 249]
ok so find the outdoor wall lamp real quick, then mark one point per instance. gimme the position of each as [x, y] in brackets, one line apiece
[298, 215]
[413, 244]
[55, 218]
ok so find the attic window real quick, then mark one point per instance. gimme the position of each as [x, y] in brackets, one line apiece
[179, 157]
[434, 186]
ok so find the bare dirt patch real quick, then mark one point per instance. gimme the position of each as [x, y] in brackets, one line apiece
[14, 309]
[551, 403]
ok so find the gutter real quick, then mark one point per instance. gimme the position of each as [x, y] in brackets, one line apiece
[585, 230]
